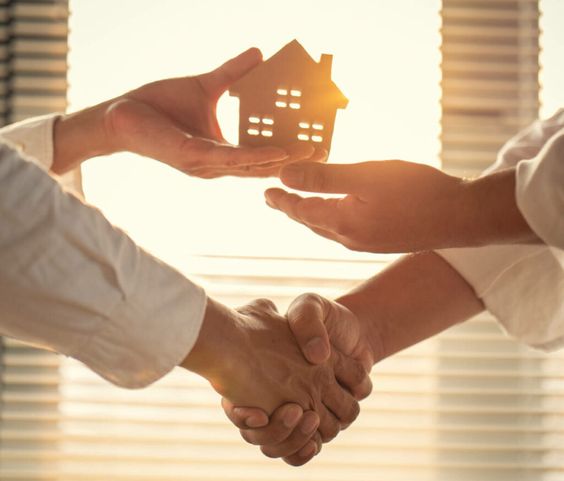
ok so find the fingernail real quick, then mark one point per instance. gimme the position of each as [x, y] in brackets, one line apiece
[292, 175]
[316, 350]
[254, 422]
[309, 425]
[292, 416]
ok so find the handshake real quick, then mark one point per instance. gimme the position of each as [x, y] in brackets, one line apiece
[306, 371]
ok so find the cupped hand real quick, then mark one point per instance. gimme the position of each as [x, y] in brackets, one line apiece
[175, 121]
[388, 206]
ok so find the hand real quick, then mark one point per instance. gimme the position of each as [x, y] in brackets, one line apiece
[173, 121]
[389, 206]
[320, 326]
[395, 206]
[250, 357]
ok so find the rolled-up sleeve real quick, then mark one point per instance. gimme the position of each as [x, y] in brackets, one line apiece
[73, 283]
[540, 191]
[523, 285]
[33, 138]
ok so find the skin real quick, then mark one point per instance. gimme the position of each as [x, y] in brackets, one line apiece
[173, 121]
[436, 210]
[415, 298]
[249, 355]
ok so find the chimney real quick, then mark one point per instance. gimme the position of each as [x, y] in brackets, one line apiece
[325, 64]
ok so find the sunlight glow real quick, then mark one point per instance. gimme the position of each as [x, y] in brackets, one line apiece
[390, 79]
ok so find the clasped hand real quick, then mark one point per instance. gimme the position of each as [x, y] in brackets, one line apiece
[259, 361]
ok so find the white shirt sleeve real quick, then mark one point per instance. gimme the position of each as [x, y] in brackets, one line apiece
[523, 285]
[73, 283]
[34, 138]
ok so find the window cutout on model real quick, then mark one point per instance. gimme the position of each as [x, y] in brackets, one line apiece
[317, 126]
[295, 93]
[303, 137]
[254, 120]
[317, 138]
[282, 92]
[295, 105]
[252, 132]
[266, 133]
[281, 104]
[267, 121]
[304, 125]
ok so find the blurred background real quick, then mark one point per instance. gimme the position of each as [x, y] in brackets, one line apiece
[444, 83]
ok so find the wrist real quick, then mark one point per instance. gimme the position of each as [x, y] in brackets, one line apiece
[491, 212]
[217, 350]
[80, 136]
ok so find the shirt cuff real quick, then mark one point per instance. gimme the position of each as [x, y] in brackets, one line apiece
[540, 191]
[34, 138]
[520, 285]
[155, 332]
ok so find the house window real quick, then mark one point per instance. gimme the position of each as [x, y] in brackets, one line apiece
[260, 126]
[288, 98]
[311, 131]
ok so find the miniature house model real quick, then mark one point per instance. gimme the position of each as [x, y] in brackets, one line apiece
[287, 99]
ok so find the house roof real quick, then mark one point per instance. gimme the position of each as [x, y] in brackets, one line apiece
[292, 65]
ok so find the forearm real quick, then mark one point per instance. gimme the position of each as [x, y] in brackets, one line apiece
[415, 298]
[72, 282]
[80, 136]
[489, 213]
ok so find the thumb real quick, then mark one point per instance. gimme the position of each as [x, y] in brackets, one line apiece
[218, 80]
[306, 316]
[326, 178]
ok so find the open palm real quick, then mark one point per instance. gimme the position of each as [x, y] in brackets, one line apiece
[175, 121]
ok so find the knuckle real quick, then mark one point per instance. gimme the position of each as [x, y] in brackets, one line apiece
[266, 304]
[307, 299]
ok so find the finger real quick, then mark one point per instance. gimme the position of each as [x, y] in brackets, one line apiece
[146, 131]
[306, 318]
[282, 424]
[329, 425]
[243, 417]
[297, 440]
[329, 214]
[262, 170]
[300, 151]
[217, 81]
[328, 178]
[342, 404]
[259, 307]
[197, 153]
[304, 455]
[352, 375]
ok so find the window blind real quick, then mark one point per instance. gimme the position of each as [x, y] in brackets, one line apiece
[33, 81]
[468, 405]
[490, 78]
